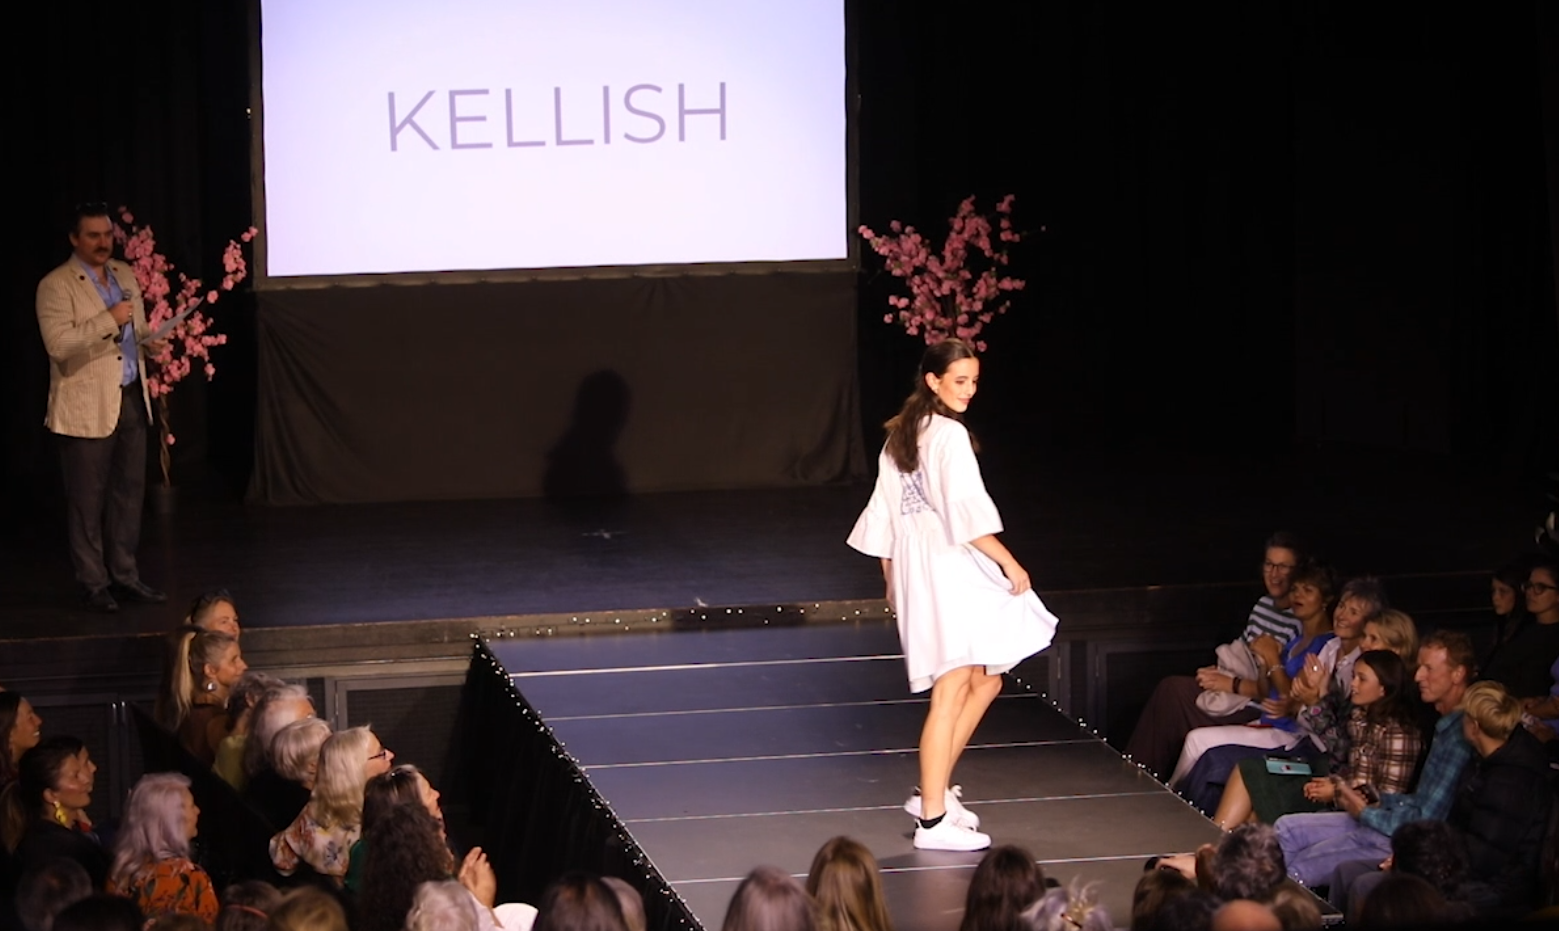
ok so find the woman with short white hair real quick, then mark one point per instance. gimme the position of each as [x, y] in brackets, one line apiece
[443, 906]
[278, 796]
[277, 708]
[151, 855]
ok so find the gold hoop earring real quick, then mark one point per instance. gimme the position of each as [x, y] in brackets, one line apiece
[61, 815]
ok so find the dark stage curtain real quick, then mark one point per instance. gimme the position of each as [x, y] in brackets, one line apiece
[564, 388]
[537, 814]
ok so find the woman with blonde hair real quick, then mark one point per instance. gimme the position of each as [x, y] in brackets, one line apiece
[202, 668]
[308, 908]
[323, 833]
[1395, 631]
[215, 610]
[151, 854]
[847, 887]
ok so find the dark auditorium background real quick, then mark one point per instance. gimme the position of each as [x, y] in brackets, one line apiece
[1277, 227]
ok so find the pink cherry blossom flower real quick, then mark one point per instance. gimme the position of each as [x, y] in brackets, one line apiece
[951, 288]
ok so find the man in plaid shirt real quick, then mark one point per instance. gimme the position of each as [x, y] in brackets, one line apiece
[1315, 843]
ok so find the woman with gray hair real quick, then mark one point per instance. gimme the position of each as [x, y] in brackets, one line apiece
[277, 708]
[241, 702]
[1075, 908]
[276, 795]
[151, 855]
[281, 790]
[443, 906]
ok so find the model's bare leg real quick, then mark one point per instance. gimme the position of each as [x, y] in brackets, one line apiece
[1234, 808]
[983, 690]
[949, 695]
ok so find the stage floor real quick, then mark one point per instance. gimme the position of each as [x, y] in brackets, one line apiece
[721, 750]
[1078, 521]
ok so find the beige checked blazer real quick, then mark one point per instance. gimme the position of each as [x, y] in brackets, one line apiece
[83, 345]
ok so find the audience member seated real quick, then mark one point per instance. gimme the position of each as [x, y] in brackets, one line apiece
[1431, 850]
[281, 789]
[48, 890]
[203, 666]
[1524, 665]
[845, 883]
[1007, 882]
[276, 709]
[405, 849]
[1383, 743]
[1501, 810]
[1507, 601]
[1319, 694]
[1075, 908]
[175, 921]
[442, 906]
[1313, 587]
[1314, 843]
[1244, 915]
[307, 908]
[152, 862]
[22, 728]
[100, 912]
[628, 898]
[767, 899]
[1246, 866]
[241, 702]
[247, 906]
[581, 902]
[215, 610]
[1296, 910]
[1192, 911]
[1403, 901]
[323, 833]
[1173, 710]
[1158, 885]
[45, 816]
[402, 785]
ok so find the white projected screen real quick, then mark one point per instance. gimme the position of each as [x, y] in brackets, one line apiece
[418, 136]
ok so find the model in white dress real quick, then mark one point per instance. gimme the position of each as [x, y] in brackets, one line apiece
[955, 606]
[966, 611]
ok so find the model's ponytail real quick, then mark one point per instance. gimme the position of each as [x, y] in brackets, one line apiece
[903, 445]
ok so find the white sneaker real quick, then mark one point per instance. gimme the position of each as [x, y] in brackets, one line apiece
[956, 812]
[950, 836]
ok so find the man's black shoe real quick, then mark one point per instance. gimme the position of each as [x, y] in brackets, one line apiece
[101, 600]
[140, 592]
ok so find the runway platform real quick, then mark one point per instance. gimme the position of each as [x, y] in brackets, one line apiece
[720, 750]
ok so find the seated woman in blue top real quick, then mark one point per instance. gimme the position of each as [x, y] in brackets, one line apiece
[1312, 589]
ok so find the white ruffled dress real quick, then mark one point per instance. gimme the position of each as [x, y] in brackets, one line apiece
[955, 608]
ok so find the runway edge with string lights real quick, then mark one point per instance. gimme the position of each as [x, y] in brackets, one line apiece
[688, 757]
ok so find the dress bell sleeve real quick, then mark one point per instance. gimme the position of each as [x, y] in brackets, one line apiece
[967, 510]
[873, 532]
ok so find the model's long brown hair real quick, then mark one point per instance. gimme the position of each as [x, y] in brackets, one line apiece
[904, 429]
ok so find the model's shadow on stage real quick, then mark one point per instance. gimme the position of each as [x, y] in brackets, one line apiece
[583, 478]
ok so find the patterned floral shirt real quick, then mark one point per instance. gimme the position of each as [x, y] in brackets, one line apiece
[305, 840]
[175, 886]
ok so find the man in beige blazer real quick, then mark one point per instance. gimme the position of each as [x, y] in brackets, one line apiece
[91, 318]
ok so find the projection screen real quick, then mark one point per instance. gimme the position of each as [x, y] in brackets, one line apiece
[407, 136]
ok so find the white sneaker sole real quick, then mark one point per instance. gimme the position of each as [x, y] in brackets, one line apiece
[949, 836]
